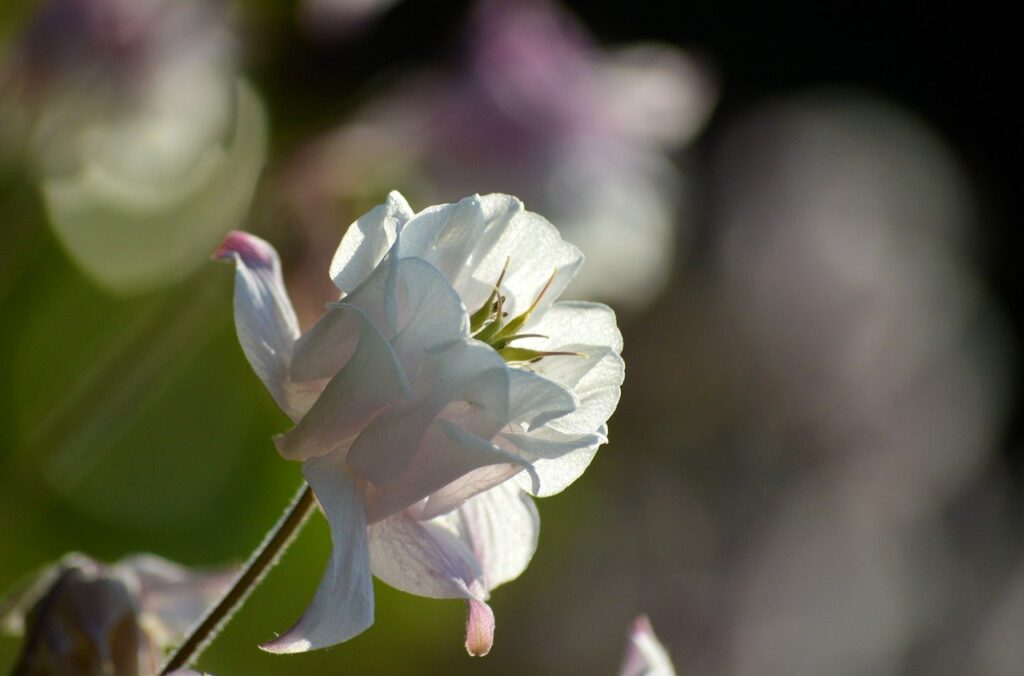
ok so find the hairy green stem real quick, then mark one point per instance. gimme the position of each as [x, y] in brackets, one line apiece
[262, 560]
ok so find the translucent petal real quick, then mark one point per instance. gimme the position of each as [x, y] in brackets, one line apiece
[367, 241]
[597, 381]
[464, 372]
[371, 380]
[575, 323]
[343, 604]
[446, 454]
[557, 459]
[264, 318]
[501, 527]
[535, 400]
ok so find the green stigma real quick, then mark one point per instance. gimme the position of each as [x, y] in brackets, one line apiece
[488, 325]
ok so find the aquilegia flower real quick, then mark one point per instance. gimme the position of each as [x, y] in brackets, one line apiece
[443, 387]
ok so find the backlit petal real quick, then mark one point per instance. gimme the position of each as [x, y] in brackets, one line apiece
[343, 604]
[367, 241]
[264, 318]
[371, 380]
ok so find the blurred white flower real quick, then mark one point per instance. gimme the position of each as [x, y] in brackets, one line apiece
[444, 383]
[146, 146]
[582, 134]
[83, 617]
[645, 655]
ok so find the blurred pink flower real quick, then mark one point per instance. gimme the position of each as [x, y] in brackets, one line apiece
[80, 616]
[444, 383]
[537, 110]
[645, 655]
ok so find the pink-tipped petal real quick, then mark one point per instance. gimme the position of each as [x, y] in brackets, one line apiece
[479, 628]
[264, 318]
[343, 604]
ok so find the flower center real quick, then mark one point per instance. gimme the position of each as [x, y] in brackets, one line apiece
[488, 325]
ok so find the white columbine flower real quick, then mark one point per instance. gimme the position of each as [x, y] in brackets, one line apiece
[444, 386]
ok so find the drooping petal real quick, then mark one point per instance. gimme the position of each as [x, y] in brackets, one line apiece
[367, 241]
[575, 323]
[446, 455]
[556, 459]
[343, 604]
[501, 527]
[645, 655]
[479, 628]
[595, 378]
[371, 380]
[466, 371]
[264, 318]
[426, 559]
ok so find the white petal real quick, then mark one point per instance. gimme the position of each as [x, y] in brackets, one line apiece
[534, 250]
[264, 318]
[367, 241]
[446, 454]
[343, 604]
[426, 559]
[557, 459]
[423, 558]
[371, 380]
[575, 323]
[535, 400]
[645, 655]
[325, 348]
[501, 527]
[597, 381]
[466, 371]
[429, 312]
[453, 237]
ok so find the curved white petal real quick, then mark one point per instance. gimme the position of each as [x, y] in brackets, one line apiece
[429, 314]
[534, 250]
[426, 559]
[501, 526]
[423, 558]
[324, 349]
[535, 400]
[371, 380]
[557, 459]
[446, 454]
[595, 378]
[264, 319]
[343, 604]
[456, 237]
[575, 323]
[465, 372]
[367, 241]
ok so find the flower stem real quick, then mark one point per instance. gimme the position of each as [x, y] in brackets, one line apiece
[262, 560]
